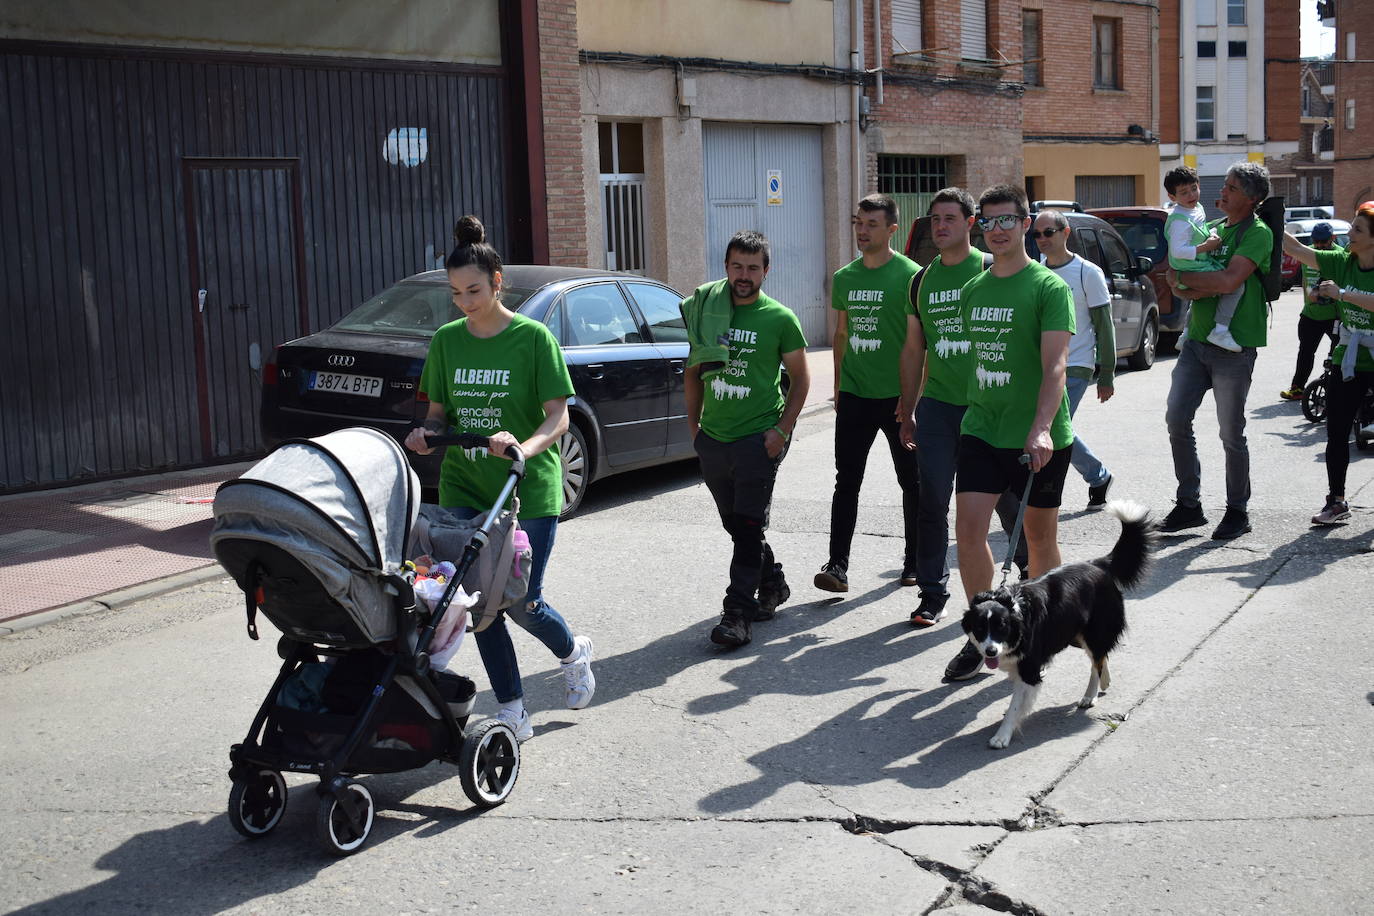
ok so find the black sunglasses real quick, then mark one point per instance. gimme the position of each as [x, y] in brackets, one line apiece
[1046, 233]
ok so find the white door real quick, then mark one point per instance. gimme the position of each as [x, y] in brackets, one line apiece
[740, 159]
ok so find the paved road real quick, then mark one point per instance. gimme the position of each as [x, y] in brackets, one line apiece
[823, 768]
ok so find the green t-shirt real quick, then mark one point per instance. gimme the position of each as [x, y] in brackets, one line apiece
[744, 399]
[938, 302]
[1197, 225]
[1249, 326]
[1320, 311]
[1344, 268]
[488, 384]
[877, 301]
[1004, 318]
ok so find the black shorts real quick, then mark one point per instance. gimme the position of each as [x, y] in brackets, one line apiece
[984, 469]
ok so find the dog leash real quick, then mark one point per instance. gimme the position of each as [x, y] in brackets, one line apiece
[1020, 517]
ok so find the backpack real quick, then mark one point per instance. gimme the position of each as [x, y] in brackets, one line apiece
[501, 572]
[1270, 211]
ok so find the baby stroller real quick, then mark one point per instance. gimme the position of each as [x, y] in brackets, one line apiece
[1315, 394]
[315, 535]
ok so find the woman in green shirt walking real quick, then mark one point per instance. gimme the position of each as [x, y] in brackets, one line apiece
[502, 375]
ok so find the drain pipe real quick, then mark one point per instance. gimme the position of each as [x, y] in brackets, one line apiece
[856, 68]
[878, 51]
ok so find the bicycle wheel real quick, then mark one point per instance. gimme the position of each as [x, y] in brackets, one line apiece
[1314, 401]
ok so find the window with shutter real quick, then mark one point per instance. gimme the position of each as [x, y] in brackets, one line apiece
[1206, 119]
[1032, 71]
[1206, 12]
[1237, 101]
[906, 27]
[1106, 54]
[973, 25]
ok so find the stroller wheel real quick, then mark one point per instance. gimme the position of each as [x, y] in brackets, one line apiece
[1314, 401]
[257, 803]
[489, 763]
[340, 834]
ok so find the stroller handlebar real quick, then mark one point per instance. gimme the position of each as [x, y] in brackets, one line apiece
[473, 440]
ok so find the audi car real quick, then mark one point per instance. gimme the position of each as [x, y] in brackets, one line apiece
[622, 336]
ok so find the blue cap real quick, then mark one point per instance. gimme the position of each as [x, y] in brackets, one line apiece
[1322, 232]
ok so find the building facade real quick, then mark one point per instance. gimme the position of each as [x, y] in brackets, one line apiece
[1091, 106]
[189, 184]
[1353, 159]
[1305, 177]
[1229, 86]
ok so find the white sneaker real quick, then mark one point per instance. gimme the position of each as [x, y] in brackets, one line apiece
[1221, 337]
[520, 724]
[578, 674]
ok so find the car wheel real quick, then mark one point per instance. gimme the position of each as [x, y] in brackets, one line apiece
[577, 468]
[1144, 356]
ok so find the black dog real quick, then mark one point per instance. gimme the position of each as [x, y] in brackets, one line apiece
[1020, 628]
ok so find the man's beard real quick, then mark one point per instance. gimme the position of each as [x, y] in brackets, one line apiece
[744, 288]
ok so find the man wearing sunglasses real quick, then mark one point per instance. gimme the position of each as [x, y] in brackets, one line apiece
[1018, 317]
[1092, 313]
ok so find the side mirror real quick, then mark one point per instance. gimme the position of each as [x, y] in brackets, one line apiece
[1145, 265]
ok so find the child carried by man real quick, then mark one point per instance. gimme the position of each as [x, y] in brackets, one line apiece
[1191, 242]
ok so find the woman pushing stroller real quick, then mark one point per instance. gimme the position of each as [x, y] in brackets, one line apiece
[502, 375]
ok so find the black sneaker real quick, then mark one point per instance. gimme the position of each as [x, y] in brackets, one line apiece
[771, 594]
[929, 612]
[732, 631]
[964, 665]
[1233, 524]
[1097, 496]
[1181, 517]
[832, 578]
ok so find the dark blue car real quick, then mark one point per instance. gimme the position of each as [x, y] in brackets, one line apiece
[622, 336]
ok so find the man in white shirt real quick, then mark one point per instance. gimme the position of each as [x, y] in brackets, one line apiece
[1094, 343]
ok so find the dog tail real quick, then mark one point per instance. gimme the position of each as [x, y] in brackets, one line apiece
[1130, 557]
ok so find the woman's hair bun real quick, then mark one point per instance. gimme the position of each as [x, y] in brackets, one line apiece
[469, 231]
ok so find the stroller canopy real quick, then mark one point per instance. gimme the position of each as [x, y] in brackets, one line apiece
[342, 504]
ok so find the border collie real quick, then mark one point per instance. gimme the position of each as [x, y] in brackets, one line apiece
[1021, 627]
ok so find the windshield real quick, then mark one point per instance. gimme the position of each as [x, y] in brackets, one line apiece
[413, 310]
[1143, 235]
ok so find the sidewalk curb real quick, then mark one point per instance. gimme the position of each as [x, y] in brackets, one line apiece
[113, 601]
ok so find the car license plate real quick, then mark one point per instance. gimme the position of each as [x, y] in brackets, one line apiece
[367, 386]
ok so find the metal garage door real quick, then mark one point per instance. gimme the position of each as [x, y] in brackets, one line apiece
[1104, 191]
[740, 159]
[1209, 187]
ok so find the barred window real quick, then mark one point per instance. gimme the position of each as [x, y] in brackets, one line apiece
[912, 174]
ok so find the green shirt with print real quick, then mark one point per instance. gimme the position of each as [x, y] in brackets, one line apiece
[938, 301]
[1249, 326]
[877, 301]
[1320, 311]
[1344, 269]
[488, 384]
[744, 399]
[1004, 318]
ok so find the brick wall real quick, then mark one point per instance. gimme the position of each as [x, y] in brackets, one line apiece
[971, 118]
[561, 96]
[1169, 113]
[1282, 74]
[1354, 165]
[1067, 104]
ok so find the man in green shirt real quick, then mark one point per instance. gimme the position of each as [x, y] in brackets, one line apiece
[1246, 248]
[740, 425]
[937, 383]
[874, 336]
[1317, 319]
[1018, 317]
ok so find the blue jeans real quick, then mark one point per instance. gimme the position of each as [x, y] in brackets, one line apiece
[1093, 471]
[1200, 367]
[937, 443]
[534, 614]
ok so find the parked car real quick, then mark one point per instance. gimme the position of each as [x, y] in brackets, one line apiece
[1134, 312]
[1142, 229]
[1290, 270]
[1294, 213]
[621, 334]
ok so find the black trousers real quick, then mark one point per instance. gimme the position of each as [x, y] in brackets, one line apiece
[1310, 334]
[857, 423]
[740, 476]
[1343, 403]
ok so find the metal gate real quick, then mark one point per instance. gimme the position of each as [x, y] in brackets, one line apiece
[246, 252]
[1104, 191]
[768, 177]
[622, 220]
